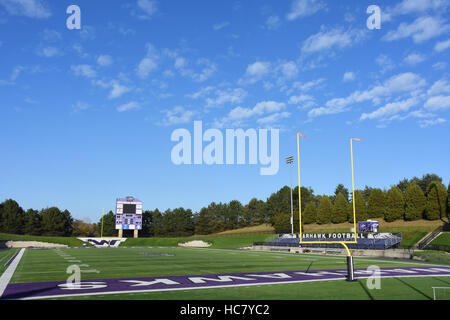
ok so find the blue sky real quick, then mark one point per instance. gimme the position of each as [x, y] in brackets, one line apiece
[87, 115]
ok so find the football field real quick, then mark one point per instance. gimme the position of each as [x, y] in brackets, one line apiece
[214, 274]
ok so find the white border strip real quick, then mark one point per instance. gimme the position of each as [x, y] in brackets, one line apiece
[7, 275]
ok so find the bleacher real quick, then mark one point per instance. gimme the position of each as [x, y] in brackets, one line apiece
[374, 241]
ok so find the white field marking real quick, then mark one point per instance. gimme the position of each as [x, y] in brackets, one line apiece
[74, 261]
[7, 275]
[361, 259]
[214, 287]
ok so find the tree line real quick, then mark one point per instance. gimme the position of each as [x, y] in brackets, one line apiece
[410, 199]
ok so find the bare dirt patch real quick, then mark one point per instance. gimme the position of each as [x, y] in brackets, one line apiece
[195, 243]
[33, 244]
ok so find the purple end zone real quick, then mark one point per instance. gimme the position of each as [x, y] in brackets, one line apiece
[103, 286]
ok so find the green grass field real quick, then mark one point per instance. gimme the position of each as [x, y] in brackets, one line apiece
[47, 265]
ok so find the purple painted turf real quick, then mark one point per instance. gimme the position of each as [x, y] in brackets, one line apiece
[56, 288]
[12, 259]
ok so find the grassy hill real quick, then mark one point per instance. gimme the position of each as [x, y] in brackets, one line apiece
[412, 232]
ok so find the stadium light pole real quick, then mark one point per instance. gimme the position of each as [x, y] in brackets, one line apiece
[350, 270]
[103, 213]
[299, 189]
[289, 160]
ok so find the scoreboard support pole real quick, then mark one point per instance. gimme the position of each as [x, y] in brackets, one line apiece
[120, 233]
[136, 233]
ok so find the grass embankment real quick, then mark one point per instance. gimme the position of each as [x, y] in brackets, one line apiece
[217, 241]
[432, 256]
[442, 240]
[69, 241]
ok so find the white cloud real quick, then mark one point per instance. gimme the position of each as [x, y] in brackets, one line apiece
[422, 29]
[439, 65]
[417, 6]
[51, 35]
[440, 86]
[104, 60]
[28, 8]
[255, 72]
[273, 118]
[273, 22]
[391, 109]
[128, 106]
[177, 115]
[442, 45]
[232, 96]
[288, 70]
[384, 62]
[348, 76]
[414, 58]
[117, 90]
[84, 70]
[264, 108]
[222, 25]
[80, 106]
[48, 52]
[201, 93]
[405, 82]
[438, 103]
[149, 7]
[304, 8]
[308, 85]
[335, 38]
[148, 63]
[431, 122]
[15, 73]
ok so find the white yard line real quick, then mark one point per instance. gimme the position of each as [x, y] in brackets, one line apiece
[7, 275]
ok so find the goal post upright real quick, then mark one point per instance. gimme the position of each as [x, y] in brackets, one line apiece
[350, 273]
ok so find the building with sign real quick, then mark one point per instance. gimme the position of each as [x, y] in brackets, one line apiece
[128, 215]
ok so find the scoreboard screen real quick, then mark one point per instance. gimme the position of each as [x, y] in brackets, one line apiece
[129, 208]
[129, 214]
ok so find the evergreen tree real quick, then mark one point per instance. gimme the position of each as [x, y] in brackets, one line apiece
[53, 222]
[68, 220]
[310, 214]
[12, 217]
[340, 209]
[395, 205]
[360, 208]
[376, 204]
[341, 189]
[234, 213]
[402, 185]
[109, 225]
[426, 180]
[366, 193]
[282, 223]
[324, 211]
[32, 223]
[415, 202]
[436, 204]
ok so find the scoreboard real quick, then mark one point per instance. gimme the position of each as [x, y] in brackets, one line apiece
[128, 214]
